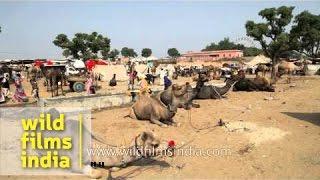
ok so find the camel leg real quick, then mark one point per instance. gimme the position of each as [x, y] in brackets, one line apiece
[132, 114]
[195, 105]
[51, 84]
[61, 86]
[154, 119]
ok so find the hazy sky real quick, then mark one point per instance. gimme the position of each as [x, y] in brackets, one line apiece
[28, 28]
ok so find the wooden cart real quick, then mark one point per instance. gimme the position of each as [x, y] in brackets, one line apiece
[77, 83]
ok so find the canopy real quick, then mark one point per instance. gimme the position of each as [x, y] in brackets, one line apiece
[79, 64]
[260, 59]
[151, 58]
[90, 64]
[138, 59]
[143, 59]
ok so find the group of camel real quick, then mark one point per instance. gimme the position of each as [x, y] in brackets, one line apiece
[162, 107]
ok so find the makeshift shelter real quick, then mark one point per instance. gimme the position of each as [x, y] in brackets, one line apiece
[79, 64]
[260, 59]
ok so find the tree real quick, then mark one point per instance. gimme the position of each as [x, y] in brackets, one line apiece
[251, 51]
[271, 34]
[113, 54]
[173, 53]
[146, 52]
[226, 44]
[305, 34]
[83, 46]
[128, 52]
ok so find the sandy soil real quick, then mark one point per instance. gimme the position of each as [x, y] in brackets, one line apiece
[275, 137]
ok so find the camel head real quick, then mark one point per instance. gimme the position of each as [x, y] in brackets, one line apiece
[148, 144]
[182, 96]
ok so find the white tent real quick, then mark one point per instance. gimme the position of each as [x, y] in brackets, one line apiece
[260, 59]
[138, 59]
[151, 58]
[143, 59]
[79, 64]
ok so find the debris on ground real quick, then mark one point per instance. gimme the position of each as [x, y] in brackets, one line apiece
[269, 98]
[292, 85]
[248, 148]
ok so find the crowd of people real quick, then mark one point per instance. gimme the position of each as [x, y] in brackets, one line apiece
[19, 94]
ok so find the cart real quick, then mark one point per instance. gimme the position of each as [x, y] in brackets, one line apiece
[77, 83]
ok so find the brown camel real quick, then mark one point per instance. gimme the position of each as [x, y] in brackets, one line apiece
[52, 78]
[263, 69]
[285, 67]
[156, 110]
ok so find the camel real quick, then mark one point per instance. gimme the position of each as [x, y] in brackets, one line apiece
[52, 78]
[214, 92]
[259, 83]
[33, 72]
[143, 146]
[162, 107]
[262, 68]
[285, 67]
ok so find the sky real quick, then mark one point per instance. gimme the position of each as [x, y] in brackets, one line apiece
[28, 28]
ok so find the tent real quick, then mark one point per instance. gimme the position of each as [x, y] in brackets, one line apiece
[138, 59]
[79, 64]
[260, 59]
[143, 59]
[151, 58]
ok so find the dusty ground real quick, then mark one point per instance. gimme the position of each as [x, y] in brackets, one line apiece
[274, 138]
[281, 141]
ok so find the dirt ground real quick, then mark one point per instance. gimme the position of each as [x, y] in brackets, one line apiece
[267, 135]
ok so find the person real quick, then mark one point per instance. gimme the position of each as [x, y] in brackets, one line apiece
[143, 84]
[5, 85]
[2, 97]
[35, 88]
[162, 75]
[19, 95]
[89, 85]
[132, 77]
[113, 81]
[167, 82]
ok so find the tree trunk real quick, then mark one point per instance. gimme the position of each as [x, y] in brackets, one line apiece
[274, 71]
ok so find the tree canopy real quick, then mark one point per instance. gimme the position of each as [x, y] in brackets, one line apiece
[146, 52]
[173, 52]
[128, 52]
[271, 34]
[113, 55]
[226, 44]
[83, 46]
[305, 34]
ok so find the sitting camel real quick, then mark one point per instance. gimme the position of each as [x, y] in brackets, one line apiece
[259, 83]
[263, 69]
[145, 145]
[214, 92]
[161, 108]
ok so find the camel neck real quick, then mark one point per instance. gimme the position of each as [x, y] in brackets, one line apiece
[223, 90]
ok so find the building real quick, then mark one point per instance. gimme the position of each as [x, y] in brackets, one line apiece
[210, 55]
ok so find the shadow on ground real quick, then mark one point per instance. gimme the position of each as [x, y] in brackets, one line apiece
[313, 118]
